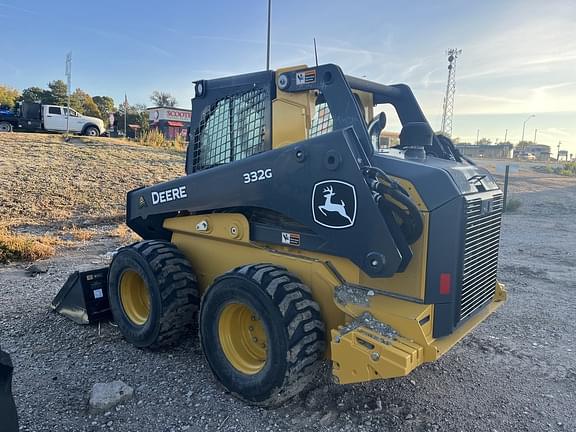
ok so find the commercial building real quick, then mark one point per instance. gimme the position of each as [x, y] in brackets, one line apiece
[172, 122]
[540, 152]
[389, 139]
[489, 151]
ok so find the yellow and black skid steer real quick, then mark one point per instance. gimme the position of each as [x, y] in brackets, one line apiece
[295, 237]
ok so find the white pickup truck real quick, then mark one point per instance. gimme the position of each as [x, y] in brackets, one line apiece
[29, 116]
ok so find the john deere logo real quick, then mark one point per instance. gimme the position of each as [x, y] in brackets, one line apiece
[334, 204]
[142, 202]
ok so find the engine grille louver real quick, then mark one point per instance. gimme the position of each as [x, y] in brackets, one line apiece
[481, 244]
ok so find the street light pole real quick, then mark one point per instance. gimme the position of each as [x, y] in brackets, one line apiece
[524, 126]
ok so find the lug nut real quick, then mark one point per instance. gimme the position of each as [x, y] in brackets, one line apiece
[337, 339]
[255, 339]
[375, 356]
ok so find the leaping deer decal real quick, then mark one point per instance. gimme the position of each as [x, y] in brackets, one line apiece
[329, 206]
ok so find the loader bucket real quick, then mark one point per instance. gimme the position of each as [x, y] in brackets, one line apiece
[84, 297]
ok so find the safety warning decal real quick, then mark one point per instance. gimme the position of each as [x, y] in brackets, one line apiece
[292, 239]
[306, 77]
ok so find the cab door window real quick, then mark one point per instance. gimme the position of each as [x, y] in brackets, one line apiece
[231, 129]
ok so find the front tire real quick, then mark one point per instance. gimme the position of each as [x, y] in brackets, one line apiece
[153, 294]
[261, 333]
[92, 131]
[5, 127]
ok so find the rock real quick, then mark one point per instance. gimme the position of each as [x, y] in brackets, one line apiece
[409, 417]
[37, 268]
[328, 418]
[104, 396]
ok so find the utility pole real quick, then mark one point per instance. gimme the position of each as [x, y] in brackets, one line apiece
[268, 37]
[69, 85]
[448, 109]
[558, 155]
[477, 136]
[535, 132]
[506, 136]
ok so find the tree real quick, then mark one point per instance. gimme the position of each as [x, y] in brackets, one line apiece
[8, 96]
[34, 94]
[83, 103]
[163, 99]
[142, 116]
[105, 105]
[58, 93]
[137, 114]
[483, 141]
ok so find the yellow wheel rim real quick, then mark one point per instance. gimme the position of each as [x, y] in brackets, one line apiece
[243, 338]
[134, 297]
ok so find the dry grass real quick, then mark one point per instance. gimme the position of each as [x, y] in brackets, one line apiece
[125, 234]
[50, 183]
[81, 234]
[67, 189]
[25, 247]
[155, 138]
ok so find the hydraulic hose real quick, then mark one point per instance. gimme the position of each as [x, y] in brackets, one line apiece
[393, 199]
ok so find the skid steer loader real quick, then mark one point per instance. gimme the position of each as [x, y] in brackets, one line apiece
[295, 237]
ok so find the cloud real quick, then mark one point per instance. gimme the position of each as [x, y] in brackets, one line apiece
[18, 9]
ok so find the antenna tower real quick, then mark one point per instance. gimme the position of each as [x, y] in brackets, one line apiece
[448, 110]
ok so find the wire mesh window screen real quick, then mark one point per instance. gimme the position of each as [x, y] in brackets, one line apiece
[231, 130]
[322, 121]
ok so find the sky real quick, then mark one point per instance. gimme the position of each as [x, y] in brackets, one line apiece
[518, 56]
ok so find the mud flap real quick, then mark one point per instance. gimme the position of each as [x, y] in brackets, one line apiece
[84, 297]
[8, 416]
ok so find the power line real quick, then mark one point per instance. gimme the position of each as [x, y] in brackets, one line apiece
[448, 110]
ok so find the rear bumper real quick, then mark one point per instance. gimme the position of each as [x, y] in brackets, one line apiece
[368, 349]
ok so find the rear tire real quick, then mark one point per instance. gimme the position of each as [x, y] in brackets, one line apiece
[5, 127]
[269, 306]
[153, 294]
[92, 131]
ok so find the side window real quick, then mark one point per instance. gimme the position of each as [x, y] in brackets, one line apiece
[54, 110]
[232, 129]
[321, 121]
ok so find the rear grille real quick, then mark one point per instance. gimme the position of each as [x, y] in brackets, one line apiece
[481, 244]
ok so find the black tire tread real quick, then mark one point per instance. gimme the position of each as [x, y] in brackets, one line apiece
[180, 298]
[302, 320]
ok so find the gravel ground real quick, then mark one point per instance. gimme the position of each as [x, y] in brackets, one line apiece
[516, 372]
